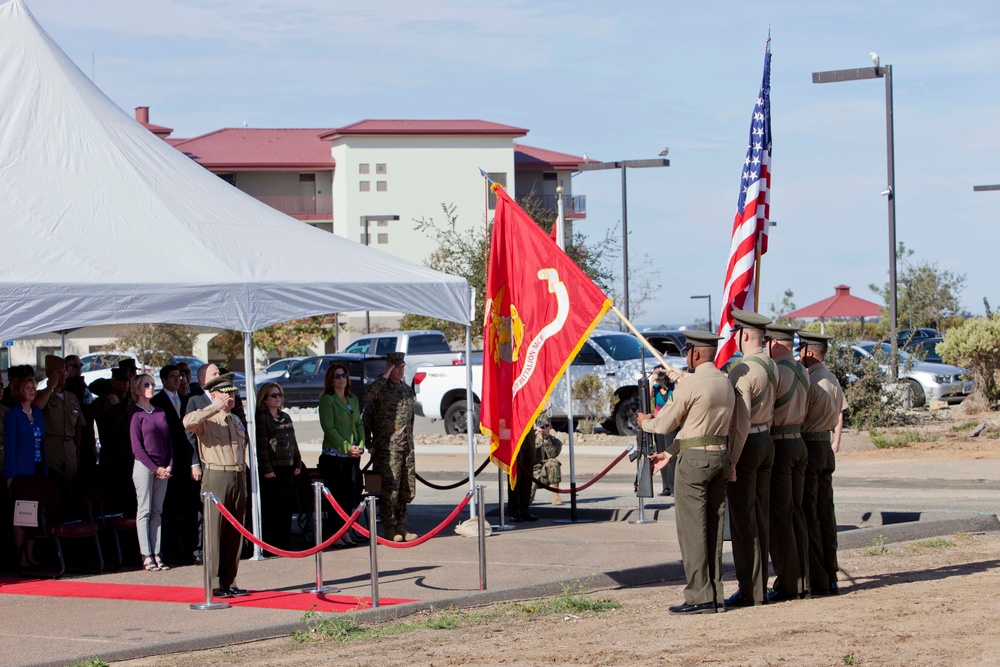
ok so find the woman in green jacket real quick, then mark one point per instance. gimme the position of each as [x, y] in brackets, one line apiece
[343, 445]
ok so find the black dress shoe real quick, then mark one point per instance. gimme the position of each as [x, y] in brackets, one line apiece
[529, 517]
[236, 591]
[778, 596]
[666, 492]
[198, 560]
[515, 518]
[701, 608]
[221, 593]
[737, 600]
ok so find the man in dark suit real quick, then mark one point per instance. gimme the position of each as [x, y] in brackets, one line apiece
[198, 399]
[181, 503]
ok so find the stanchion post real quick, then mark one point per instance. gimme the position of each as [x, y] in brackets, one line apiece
[501, 488]
[206, 555]
[373, 547]
[481, 516]
[318, 525]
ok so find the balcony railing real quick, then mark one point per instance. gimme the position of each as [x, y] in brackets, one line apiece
[574, 206]
[303, 207]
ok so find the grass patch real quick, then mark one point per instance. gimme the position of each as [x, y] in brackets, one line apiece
[849, 659]
[937, 543]
[993, 435]
[964, 426]
[92, 662]
[884, 440]
[343, 628]
[877, 547]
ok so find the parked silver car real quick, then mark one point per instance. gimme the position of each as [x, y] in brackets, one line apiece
[925, 380]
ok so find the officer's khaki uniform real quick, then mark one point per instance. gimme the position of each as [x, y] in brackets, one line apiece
[222, 444]
[788, 539]
[826, 402]
[63, 425]
[749, 496]
[704, 407]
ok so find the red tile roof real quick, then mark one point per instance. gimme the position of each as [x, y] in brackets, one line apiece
[529, 157]
[841, 304]
[427, 127]
[248, 149]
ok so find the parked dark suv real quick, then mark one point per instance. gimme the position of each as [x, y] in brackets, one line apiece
[302, 383]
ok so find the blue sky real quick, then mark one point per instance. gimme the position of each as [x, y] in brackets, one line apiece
[621, 81]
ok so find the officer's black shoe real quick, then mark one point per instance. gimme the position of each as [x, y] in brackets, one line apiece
[737, 600]
[529, 517]
[221, 593]
[667, 492]
[777, 596]
[515, 518]
[702, 608]
[834, 589]
[198, 560]
[236, 591]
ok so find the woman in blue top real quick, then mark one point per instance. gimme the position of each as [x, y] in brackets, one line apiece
[343, 445]
[24, 448]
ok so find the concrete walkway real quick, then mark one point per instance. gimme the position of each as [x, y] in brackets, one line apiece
[896, 499]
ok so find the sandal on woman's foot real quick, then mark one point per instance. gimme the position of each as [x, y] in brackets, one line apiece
[149, 564]
[160, 565]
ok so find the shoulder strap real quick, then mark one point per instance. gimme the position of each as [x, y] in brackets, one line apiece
[772, 377]
[800, 378]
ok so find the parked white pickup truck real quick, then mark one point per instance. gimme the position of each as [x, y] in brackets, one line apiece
[422, 348]
[615, 357]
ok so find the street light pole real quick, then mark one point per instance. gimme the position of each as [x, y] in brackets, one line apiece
[877, 72]
[709, 297]
[623, 165]
[366, 220]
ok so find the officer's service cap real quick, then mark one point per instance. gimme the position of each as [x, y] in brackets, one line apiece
[701, 339]
[750, 319]
[807, 337]
[781, 332]
[223, 384]
[396, 358]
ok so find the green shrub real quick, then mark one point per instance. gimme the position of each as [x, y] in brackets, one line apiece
[872, 399]
[897, 440]
[975, 345]
[596, 400]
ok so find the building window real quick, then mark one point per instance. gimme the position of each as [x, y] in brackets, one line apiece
[549, 176]
[383, 223]
[363, 168]
[364, 238]
[307, 178]
[4, 358]
[228, 178]
[40, 353]
[497, 177]
[383, 239]
[380, 168]
[381, 186]
[366, 186]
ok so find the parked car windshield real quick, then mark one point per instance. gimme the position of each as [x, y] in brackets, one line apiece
[886, 348]
[621, 347]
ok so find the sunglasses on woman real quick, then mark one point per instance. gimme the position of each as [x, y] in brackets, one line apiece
[338, 376]
[275, 395]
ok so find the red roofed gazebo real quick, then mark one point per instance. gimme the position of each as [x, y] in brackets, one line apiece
[841, 304]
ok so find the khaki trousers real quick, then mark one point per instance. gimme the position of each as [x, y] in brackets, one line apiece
[227, 543]
[749, 507]
[821, 519]
[699, 497]
[789, 539]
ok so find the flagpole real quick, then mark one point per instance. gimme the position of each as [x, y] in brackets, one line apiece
[561, 240]
[642, 339]
[756, 278]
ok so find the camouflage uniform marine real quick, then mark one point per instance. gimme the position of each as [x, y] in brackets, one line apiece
[547, 468]
[389, 417]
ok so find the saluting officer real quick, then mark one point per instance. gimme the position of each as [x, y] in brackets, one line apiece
[749, 496]
[821, 431]
[789, 540]
[222, 445]
[704, 409]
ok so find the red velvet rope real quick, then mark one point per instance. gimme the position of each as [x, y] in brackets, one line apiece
[448, 487]
[579, 488]
[403, 545]
[350, 521]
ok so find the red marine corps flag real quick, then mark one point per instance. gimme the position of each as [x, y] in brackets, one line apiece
[540, 308]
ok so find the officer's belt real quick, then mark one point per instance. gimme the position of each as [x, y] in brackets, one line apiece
[703, 441]
[758, 428]
[224, 468]
[780, 429]
[817, 436]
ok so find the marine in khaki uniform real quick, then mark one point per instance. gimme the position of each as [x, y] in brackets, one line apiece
[749, 495]
[821, 431]
[788, 538]
[63, 424]
[222, 444]
[705, 410]
[389, 415]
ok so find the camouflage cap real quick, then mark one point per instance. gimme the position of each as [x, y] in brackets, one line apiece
[701, 338]
[750, 319]
[781, 331]
[396, 358]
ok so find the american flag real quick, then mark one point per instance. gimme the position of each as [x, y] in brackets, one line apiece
[751, 223]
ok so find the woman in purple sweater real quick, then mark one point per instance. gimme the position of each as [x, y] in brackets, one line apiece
[154, 459]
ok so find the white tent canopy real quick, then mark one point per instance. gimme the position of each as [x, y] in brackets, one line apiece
[104, 223]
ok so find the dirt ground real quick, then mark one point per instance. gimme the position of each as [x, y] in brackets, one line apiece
[932, 602]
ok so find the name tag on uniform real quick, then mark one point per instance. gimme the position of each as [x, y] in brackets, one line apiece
[26, 513]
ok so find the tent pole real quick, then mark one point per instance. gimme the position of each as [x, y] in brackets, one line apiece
[470, 402]
[251, 408]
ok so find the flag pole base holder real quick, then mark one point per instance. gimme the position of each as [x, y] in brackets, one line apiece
[502, 527]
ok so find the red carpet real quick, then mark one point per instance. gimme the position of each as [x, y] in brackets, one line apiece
[187, 595]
